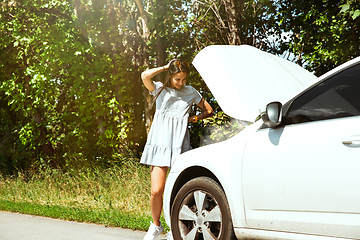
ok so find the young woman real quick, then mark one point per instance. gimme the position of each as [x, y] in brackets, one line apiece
[169, 135]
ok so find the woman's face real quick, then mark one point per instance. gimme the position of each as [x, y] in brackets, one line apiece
[178, 80]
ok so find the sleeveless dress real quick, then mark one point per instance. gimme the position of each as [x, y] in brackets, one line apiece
[169, 135]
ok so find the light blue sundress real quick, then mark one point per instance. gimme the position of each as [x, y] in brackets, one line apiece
[169, 134]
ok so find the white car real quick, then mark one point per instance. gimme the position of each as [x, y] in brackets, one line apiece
[294, 174]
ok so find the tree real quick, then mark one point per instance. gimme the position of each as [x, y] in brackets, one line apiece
[322, 35]
[70, 70]
[64, 71]
[350, 7]
[70, 73]
[237, 22]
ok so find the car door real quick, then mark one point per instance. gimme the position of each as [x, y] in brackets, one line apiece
[304, 176]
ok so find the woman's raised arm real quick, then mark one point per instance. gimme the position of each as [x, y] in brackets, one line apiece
[148, 74]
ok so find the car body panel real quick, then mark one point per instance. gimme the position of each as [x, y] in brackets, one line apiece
[314, 190]
[243, 79]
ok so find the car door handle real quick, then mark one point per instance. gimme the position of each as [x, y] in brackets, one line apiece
[353, 141]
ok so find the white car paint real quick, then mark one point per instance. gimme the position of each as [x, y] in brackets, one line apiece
[315, 191]
[244, 79]
[275, 188]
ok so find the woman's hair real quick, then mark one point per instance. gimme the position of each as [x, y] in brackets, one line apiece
[176, 66]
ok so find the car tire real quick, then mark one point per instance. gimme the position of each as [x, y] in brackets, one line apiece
[213, 221]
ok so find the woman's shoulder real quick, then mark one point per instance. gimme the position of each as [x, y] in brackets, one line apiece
[191, 88]
[194, 93]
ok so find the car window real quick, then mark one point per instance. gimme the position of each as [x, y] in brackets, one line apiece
[337, 97]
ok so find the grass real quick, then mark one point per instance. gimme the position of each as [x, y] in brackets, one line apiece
[117, 196]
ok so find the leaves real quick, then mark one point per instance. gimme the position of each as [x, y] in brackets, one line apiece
[323, 35]
[70, 70]
[52, 70]
[220, 127]
[350, 8]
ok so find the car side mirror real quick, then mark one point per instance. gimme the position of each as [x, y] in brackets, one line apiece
[273, 114]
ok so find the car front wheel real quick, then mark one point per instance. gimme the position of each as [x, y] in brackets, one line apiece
[201, 211]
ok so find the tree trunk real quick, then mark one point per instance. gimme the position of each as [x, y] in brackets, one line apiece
[145, 62]
[78, 7]
[45, 143]
[231, 12]
[139, 135]
[160, 41]
[115, 50]
[160, 55]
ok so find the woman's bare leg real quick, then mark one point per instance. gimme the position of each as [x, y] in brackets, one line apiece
[158, 178]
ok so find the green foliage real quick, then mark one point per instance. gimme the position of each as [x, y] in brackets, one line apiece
[218, 128]
[70, 85]
[14, 153]
[324, 34]
[350, 8]
[221, 127]
[65, 74]
[70, 71]
[256, 24]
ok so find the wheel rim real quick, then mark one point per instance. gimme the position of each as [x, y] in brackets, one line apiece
[200, 217]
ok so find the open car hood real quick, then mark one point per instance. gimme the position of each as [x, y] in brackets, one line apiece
[244, 79]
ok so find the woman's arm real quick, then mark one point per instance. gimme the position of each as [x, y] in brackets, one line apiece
[148, 74]
[207, 111]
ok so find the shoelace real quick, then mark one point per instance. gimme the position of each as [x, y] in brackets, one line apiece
[157, 229]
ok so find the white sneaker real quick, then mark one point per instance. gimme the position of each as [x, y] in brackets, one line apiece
[153, 231]
[169, 236]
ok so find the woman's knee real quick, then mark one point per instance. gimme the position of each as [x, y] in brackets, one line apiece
[157, 192]
[158, 178]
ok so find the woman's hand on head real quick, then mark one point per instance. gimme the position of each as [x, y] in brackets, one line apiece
[166, 67]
